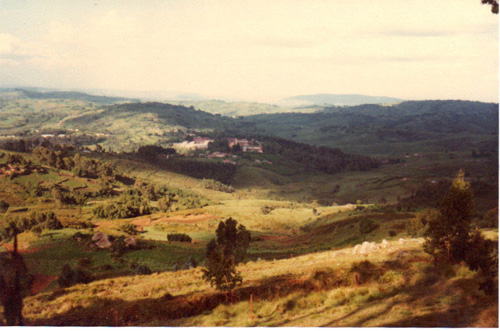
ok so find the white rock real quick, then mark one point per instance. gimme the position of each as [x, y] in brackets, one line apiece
[130, 241]
[99, 235]
[104, 243]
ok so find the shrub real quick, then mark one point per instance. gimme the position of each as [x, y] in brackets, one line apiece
[212, 184]
[266, 209]
[129, 228]
[365, 271]
[143, 270]
[3, 206]
[164, 203]
[180, 237]
[81, 225]
[70, 277]
[416, 226]
[367, 225]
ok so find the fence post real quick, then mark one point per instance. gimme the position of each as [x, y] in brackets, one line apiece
[251, 306]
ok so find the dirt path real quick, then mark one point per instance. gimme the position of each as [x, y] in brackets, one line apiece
[40, 282]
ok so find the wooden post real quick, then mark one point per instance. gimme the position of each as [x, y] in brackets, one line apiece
[251, 306]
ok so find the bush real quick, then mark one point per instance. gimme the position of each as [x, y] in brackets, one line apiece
[416, 226]
[180, 237]
[129, 228]
[267, 209]
[143, 270]
[212, 184]
[70, 277]
[164, 204]
[367, 226]
[36, 222]
[3, 206]
[365, 271]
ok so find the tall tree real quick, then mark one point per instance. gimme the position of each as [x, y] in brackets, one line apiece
[450, 237]
[225, 253]
[449, 232]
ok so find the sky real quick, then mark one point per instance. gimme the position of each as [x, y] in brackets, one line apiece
[254, 50]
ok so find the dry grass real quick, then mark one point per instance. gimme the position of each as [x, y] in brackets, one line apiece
[312, 290]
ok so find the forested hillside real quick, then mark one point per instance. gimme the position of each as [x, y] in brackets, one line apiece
[413, 126]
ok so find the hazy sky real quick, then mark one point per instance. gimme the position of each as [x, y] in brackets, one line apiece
[254, 50]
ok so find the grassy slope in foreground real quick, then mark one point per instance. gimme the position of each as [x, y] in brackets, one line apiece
[397, 286]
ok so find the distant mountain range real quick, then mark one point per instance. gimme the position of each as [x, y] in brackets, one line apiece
[34, 93]
[337, 100]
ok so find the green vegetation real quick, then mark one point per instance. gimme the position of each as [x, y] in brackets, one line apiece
[130, 204]
[140, 222]
[180, 237]
[450, 236]
[224, 254]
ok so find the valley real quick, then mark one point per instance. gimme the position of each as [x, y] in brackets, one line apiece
[319, 189]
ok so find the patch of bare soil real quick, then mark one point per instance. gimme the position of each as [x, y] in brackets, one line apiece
[23, 249]
[141, 222]
[190, 219]
[40, 282]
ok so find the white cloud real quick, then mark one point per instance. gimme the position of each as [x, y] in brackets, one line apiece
[257, 49]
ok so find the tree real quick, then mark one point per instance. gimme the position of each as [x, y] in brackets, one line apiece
[225, 253]
[219, 145]
[448, 234]
[493, 3]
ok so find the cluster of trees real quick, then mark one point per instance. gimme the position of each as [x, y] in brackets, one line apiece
[35, 222]
[216, 186]
[180, 237]
[220, 145]
[136, 201]
[64, 196]
[151, 153]
[222, 172]
[169, 199]
[325, 159]
[130, 204]
[81, 166]
[430, 194]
